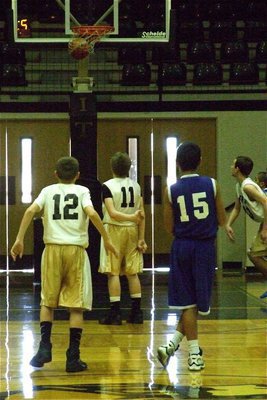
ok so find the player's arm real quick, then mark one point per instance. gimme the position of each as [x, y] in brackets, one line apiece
[220, 210]
[18, 247]
[231, 219]
[261, 198]
[119, 216]
[142, 246]
[96, 220]
[168, 213]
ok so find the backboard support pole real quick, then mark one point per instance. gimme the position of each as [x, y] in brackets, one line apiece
[83, 83]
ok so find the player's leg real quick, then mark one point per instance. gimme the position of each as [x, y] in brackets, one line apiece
[258, 256]
[136, 314]
[261, 265]
[165, 352]
[75, 288]
[49, 295]
[203, 275]
[113, 317]
[259, 262]
[44, 353]
[111, 265]
[189, 323]
[133, 266]
[73, 362]
[179, 294]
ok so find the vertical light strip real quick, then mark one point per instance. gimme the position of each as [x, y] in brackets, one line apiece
[26, 170]
[150, 355]
[6, 199]
[152, 198]
[7, 377]
[152, 243]
[133, 154]
[171, 145]
[7, 347]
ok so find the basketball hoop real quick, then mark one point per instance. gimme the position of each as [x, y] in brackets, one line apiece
[85, 37]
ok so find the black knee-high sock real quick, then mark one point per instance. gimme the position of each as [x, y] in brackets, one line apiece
[136, 303]
[115, 307]
[46, 327]
[75, 338]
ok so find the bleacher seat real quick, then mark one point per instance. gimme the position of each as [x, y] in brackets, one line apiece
[244, 74]
[165, 54]
[12, 54]
[207, 74]
[255, 31]
[222, 31]
[188, 31]
[171, 74]
[136, 75]
[234, 52]
[261, 52]
[200, 52]
[257, 10]
[185, 10]
[13, 75]
[131, 55]
[220, 10]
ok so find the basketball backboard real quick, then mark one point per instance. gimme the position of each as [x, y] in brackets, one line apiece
[51, 21]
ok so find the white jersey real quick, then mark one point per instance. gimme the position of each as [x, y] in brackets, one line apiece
[126, 195]
[64, 220]
[251, 207]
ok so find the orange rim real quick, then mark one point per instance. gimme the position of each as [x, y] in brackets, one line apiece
[89, 30]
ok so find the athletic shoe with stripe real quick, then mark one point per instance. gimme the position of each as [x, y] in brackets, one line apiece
[196, 362]
[165, 353]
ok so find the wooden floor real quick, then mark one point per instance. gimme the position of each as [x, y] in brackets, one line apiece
[122, 359]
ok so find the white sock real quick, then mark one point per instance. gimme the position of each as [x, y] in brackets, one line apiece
[135, 296]
[176, 339]
[112, 299]
[193, 347]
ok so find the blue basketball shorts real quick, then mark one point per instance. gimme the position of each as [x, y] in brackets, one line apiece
[192, 268]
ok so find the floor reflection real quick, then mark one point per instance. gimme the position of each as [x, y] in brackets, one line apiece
[134, 391]
[122, 359]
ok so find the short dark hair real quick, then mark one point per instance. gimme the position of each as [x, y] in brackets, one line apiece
[262, 177]
[188, 156]
[67, 168]
[120, 164]
[245, 165]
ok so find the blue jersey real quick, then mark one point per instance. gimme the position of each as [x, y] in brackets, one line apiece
[194, 208]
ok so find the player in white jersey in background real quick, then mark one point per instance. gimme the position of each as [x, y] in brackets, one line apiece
[124, 220]
[65, 266]
[261, 180]
[254, 202]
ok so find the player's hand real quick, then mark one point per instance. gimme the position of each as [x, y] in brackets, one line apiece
[230, 233]
[17, 250]
[142, 246]
[109, 247]
[138, 216]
